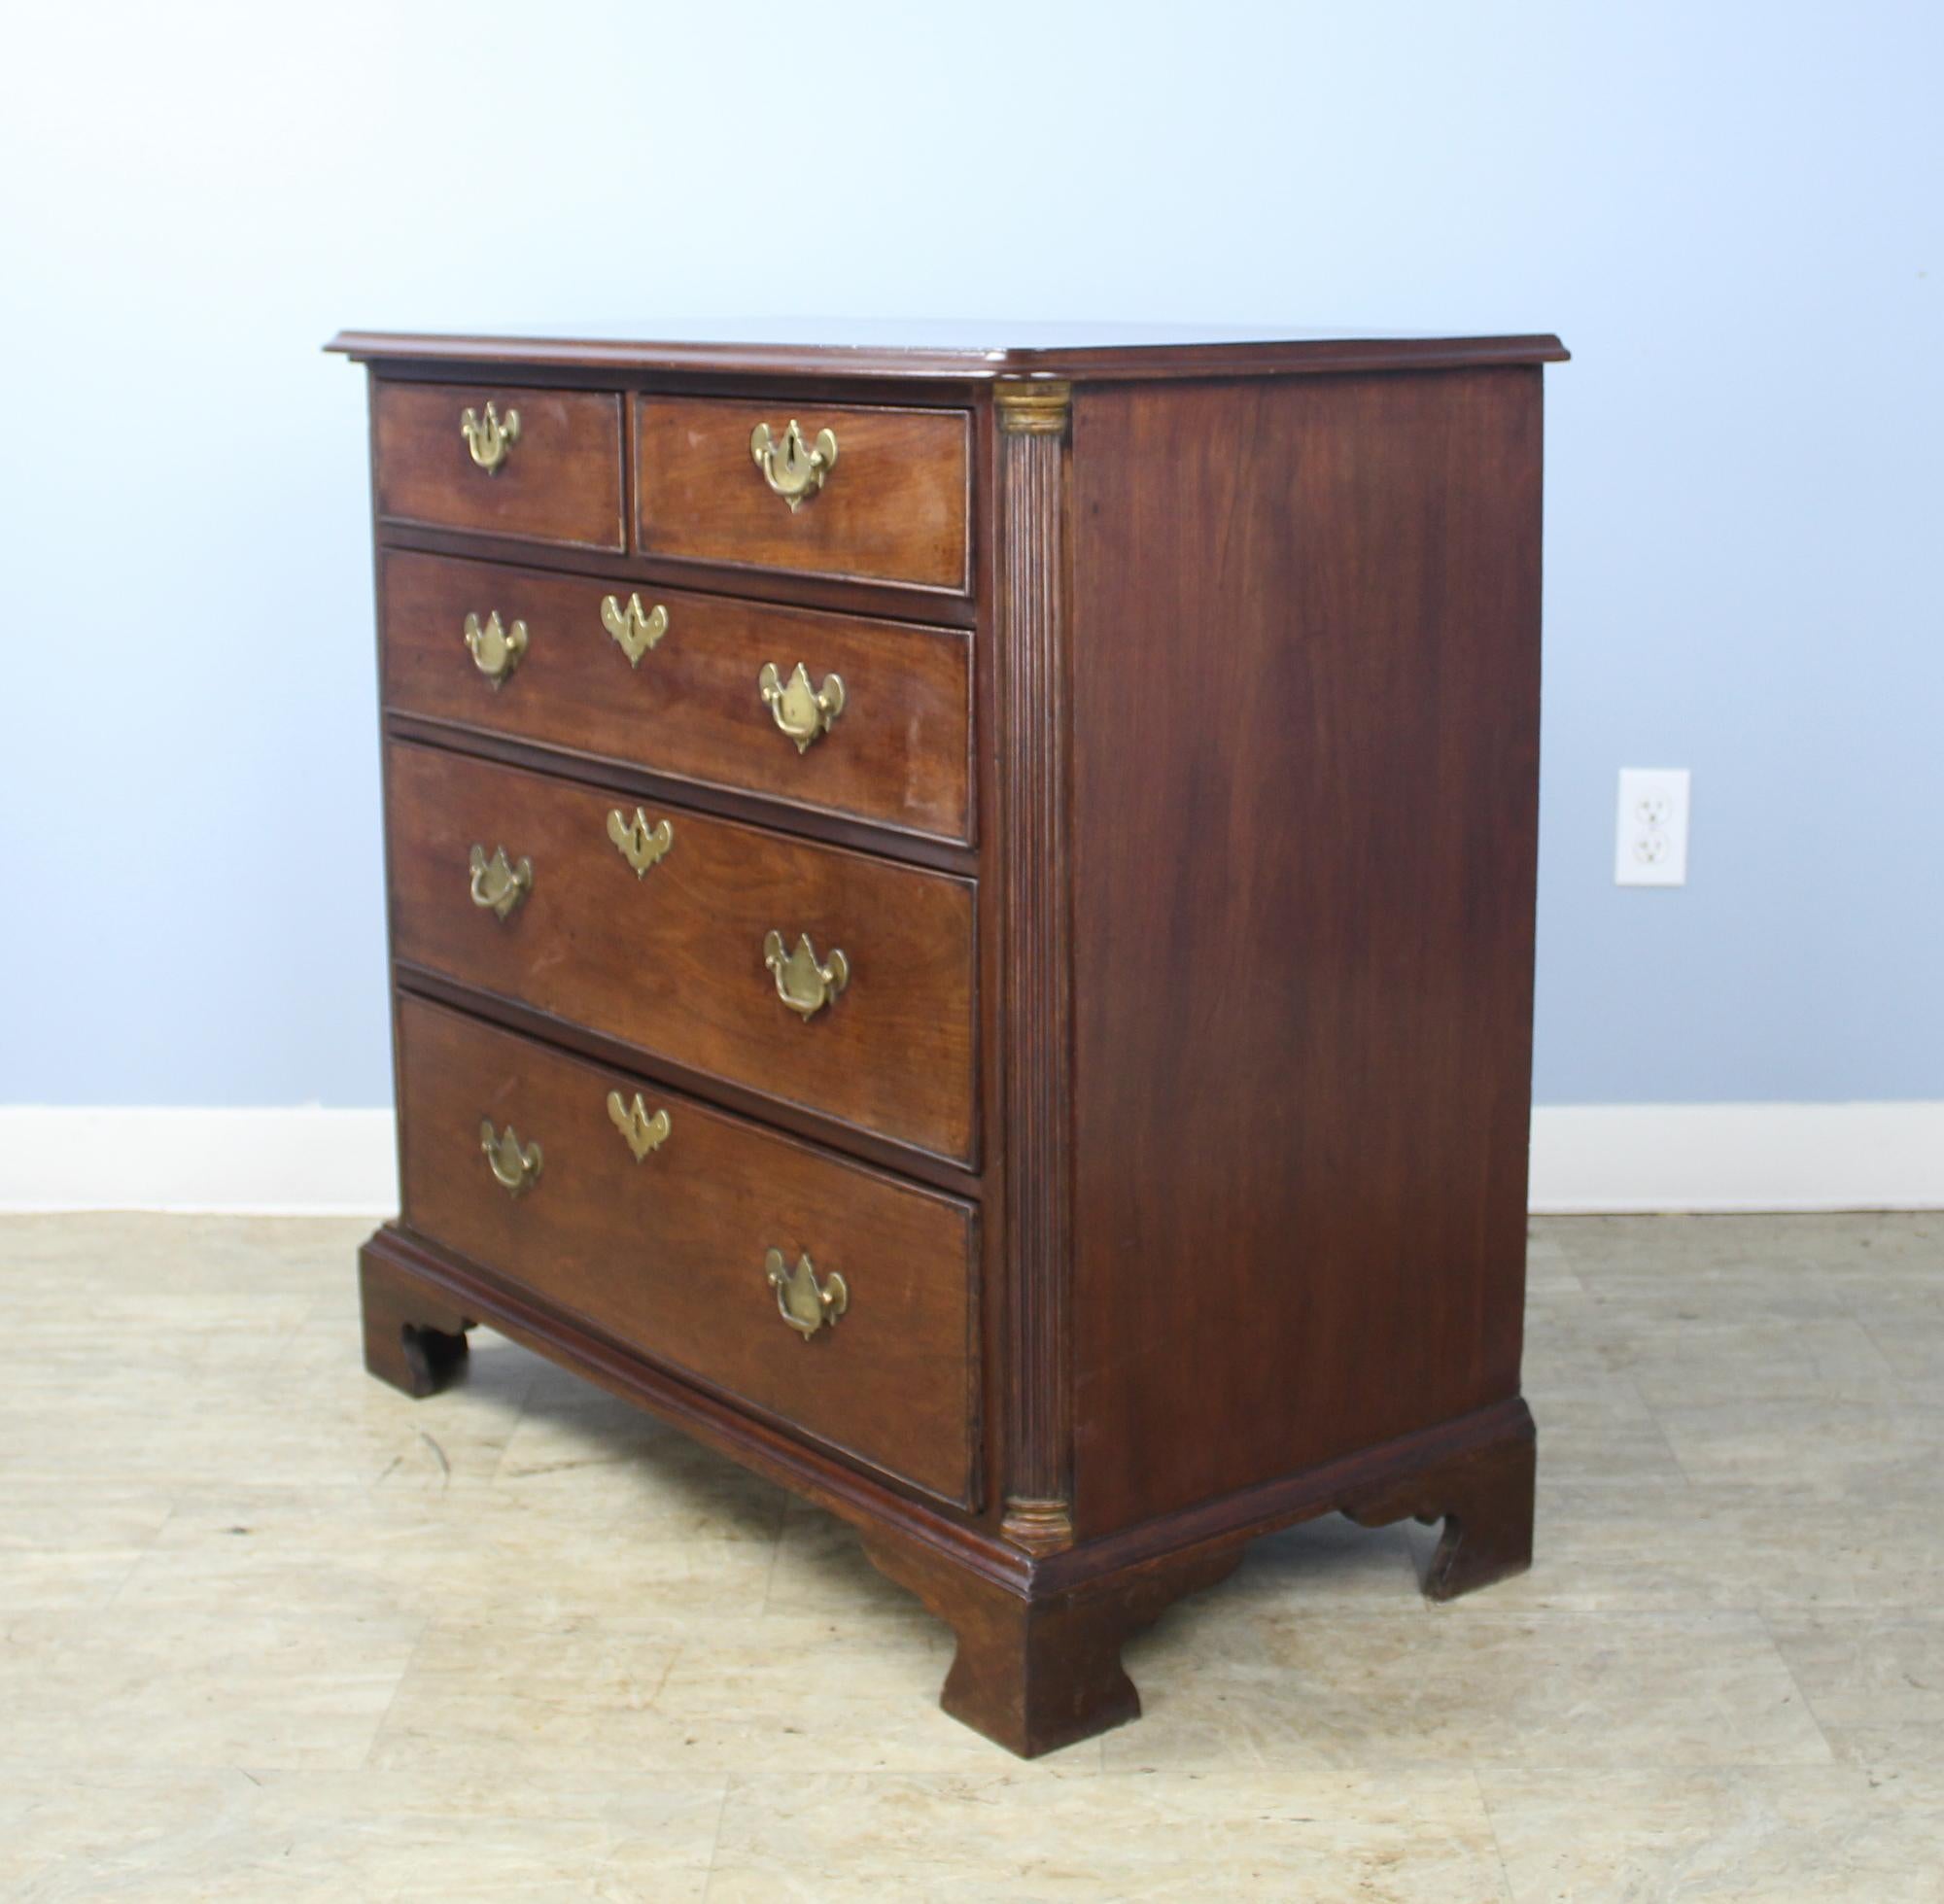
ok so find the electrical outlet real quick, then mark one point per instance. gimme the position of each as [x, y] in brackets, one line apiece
[1652, 837]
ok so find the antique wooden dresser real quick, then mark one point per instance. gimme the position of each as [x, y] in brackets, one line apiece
[961, 929]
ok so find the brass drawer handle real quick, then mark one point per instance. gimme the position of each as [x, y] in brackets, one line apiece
[496, 651]
[515, 1167]
[499, 886]
[802, 1302]
[642, 846]
[642, 1133]
[801, 712]
[637, 629]
[795, 471]
[490, 437]
[802, 983]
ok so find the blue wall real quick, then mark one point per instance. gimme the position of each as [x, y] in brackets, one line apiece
[1731, 211]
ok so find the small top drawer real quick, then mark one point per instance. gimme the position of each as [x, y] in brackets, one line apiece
[543, 466]
[873, 495]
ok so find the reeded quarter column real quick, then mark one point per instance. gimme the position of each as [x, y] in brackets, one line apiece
[1032, 437]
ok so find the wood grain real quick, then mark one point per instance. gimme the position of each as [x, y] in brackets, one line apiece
[899, 754]
[561, 482]
[666, 1255]
[672, 963]
[1304, 795]
[897, 508]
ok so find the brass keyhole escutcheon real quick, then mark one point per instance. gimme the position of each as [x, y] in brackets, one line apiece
[801, 712]
[516, 1166]
[641, 844]
[803, 1301]
[635, 629]
[496, 651]
[490, 437]
[641, 1131]
[498, 885]
[803, 984]
[795, 469]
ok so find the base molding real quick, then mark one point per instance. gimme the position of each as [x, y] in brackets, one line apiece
[1586, 1158]
[1039, 1637]
[1039, 1669]
[410, 1286]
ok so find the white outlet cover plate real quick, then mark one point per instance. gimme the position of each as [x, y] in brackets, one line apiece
[1651, 831]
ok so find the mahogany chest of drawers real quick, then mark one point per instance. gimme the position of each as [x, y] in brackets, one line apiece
[961, 928]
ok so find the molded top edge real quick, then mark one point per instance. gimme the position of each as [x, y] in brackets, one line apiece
[935, 351]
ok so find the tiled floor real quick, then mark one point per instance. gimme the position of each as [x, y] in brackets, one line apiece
[272, 1630]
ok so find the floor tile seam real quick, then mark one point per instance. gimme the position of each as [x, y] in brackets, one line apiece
[1507, 1894]
[1498, 1773]
[519, 1415]
[1475, 1613]
[776, 1560]
[1863, 1324]
[426, 1623]
[134, 1567]
[716, 1835]
[1815, 1719]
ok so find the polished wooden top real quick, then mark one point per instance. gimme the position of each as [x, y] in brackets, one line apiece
[971, 349]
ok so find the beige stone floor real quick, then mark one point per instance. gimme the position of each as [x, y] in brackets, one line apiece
[273, 1630]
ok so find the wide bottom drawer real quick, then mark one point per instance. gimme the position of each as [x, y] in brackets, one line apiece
[830, 1296]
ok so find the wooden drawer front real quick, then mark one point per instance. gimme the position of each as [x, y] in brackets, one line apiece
[691, 705]
[560, 481]
[895, 506]
[672, 960]
[667, 1253]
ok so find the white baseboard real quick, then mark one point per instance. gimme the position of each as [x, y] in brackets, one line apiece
[1586, 1157]
[286, 1162]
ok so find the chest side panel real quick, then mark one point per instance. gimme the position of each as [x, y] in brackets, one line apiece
[1304, 677]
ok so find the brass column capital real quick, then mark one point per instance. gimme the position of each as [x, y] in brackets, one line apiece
[1040, 1527]
[1036, 408]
